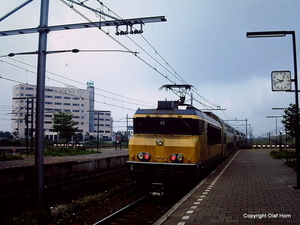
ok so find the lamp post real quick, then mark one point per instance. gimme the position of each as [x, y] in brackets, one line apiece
[295, 80]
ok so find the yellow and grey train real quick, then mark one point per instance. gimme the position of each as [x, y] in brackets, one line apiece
[172, 144]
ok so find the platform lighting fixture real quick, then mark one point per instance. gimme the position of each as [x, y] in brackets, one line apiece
[266, 34]
[262, 34]
[278, 108]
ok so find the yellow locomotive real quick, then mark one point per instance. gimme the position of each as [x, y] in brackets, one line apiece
[176, 142]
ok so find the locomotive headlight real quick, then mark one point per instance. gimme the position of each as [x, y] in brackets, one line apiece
[144, 156]
[140, 156]
[179, 157]
[176, 158]
[160, 142]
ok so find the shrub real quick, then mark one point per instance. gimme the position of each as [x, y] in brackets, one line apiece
[4, 157]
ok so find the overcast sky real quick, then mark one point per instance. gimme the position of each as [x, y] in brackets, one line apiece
[203, 41]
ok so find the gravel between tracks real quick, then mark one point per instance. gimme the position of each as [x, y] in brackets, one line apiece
[80, 203]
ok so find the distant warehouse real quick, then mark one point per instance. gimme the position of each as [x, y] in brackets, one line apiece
[79, 102]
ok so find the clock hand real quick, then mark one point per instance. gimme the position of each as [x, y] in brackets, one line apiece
[278, 81]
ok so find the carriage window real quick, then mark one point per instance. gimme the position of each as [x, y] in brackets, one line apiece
[213, 135]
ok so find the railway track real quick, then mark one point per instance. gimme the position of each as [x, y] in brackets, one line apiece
[149, 209]
[60, 191]
[21, 188]
[146, 210]
[114, 216]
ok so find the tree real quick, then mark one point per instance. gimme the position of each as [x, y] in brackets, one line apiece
[289, 120]
[6, 135]
[63, 124]
[78, 137]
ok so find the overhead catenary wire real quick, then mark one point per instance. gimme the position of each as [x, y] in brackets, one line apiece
[156, 62]
[136, 102]
[176, 75]
[168, 68]
[121, 44]
[97, 101]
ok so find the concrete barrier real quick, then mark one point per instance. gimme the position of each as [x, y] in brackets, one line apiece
[56, 170]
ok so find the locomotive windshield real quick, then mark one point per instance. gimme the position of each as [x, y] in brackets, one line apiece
[150, 125]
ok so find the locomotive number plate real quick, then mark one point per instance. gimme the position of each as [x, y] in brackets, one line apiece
[160, 159]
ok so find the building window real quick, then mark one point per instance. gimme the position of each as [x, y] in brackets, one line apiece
[66, 103]
[57, 103]
[58, 97]
[66, 97]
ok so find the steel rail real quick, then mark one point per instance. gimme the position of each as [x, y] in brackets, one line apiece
[104, 220]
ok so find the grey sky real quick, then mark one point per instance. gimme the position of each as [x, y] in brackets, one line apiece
[204, 41]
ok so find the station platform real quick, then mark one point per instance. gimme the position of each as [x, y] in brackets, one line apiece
[29, 160]
[250, 187]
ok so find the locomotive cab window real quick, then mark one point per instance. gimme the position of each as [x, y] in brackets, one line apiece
[150, 125]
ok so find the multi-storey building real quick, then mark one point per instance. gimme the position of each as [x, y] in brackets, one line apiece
[79, 102]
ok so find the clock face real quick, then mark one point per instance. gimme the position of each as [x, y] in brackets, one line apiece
[281, 80]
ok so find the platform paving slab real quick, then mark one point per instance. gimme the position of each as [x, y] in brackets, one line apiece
[250, 187]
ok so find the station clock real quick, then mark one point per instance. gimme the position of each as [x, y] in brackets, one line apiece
[281, 80]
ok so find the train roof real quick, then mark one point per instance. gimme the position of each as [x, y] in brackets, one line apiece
[173, 108]
[171, 112]
[170, 108]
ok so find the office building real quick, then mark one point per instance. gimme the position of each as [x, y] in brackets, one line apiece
[80, 102]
